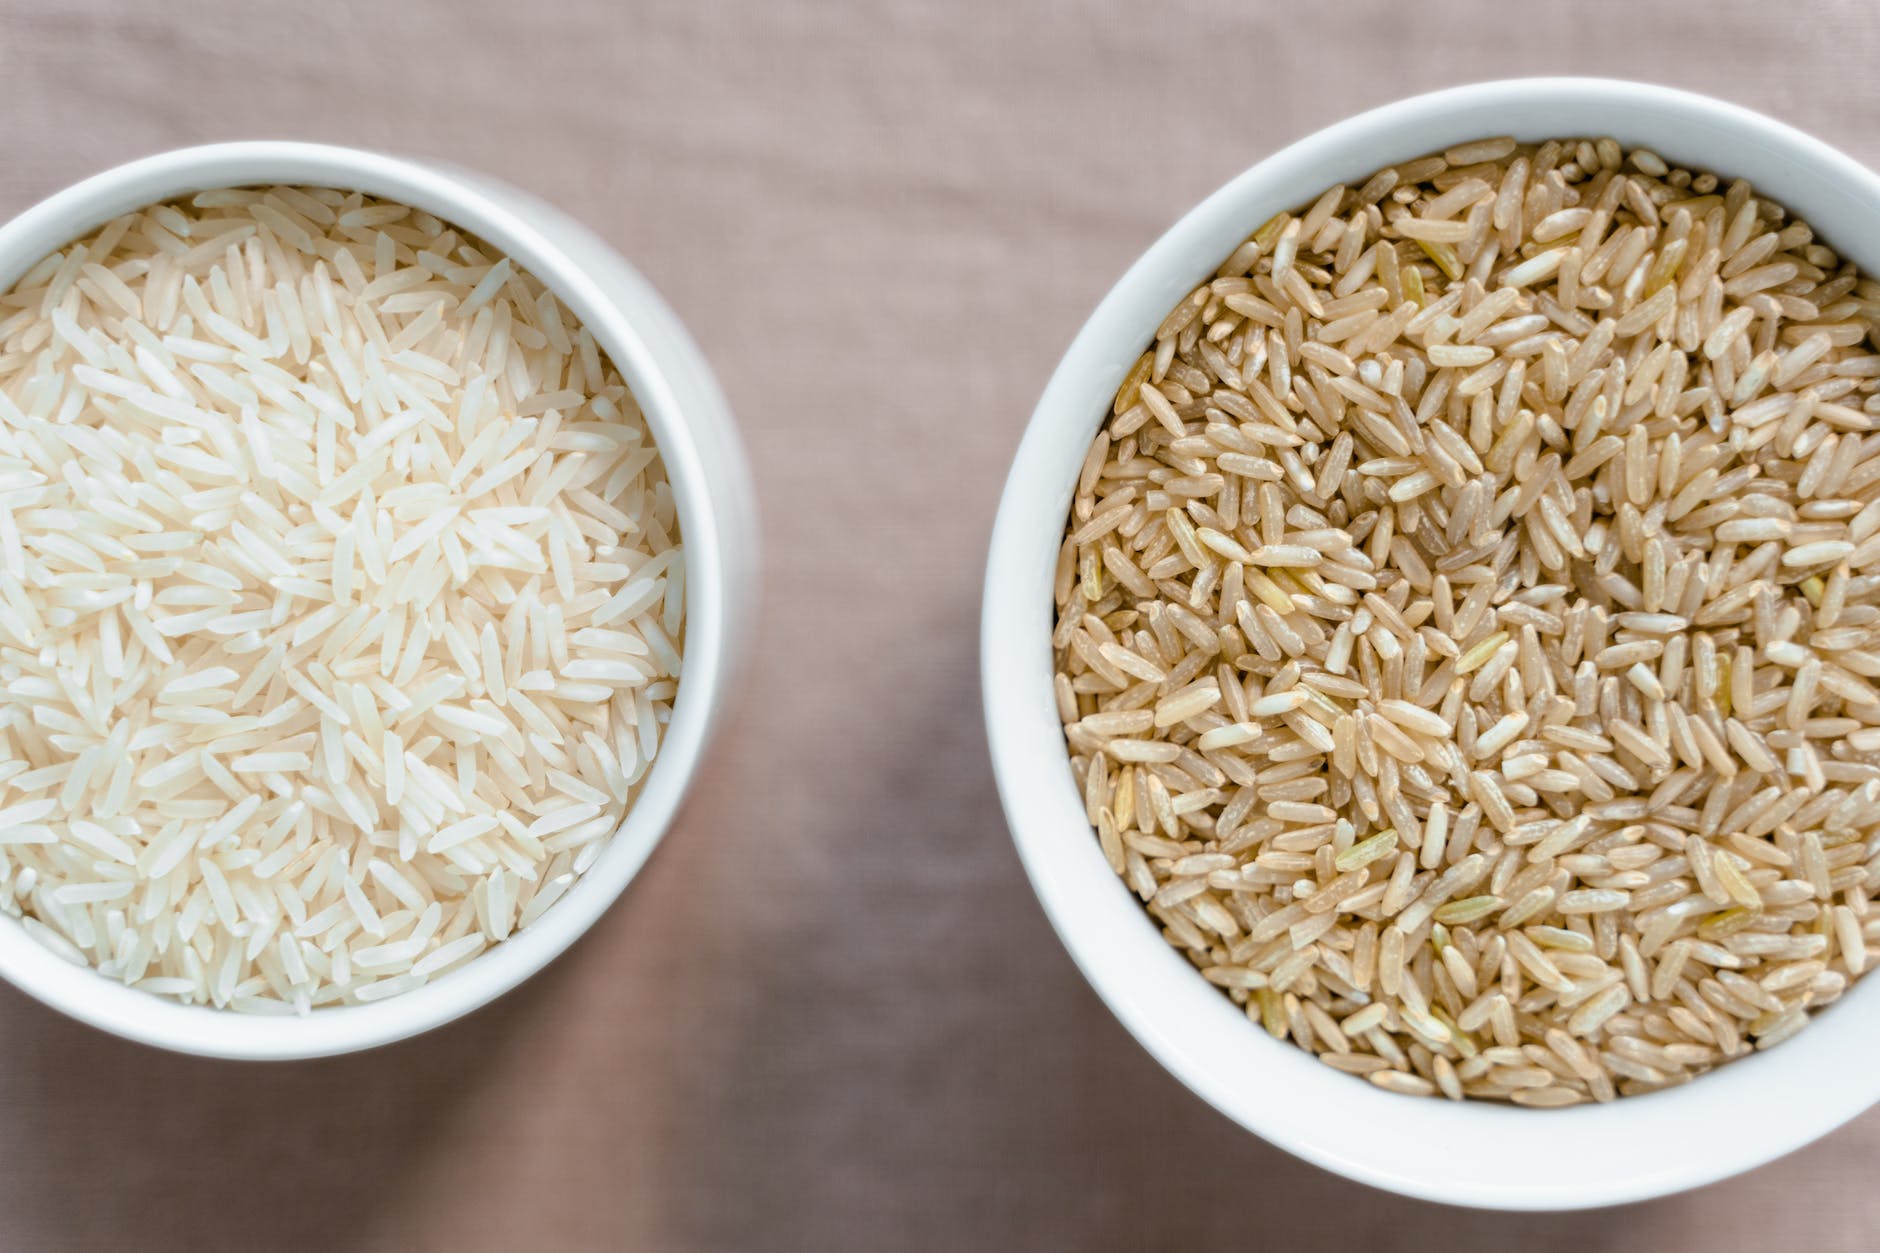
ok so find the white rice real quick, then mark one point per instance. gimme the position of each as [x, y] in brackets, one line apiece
[341, 599]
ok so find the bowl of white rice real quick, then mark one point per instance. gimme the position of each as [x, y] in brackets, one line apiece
[1429, 642]
[376, 550]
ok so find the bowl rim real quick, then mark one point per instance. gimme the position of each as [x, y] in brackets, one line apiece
[1457, 1153]
[675, 389]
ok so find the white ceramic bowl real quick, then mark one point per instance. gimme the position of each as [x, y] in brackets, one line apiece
[711, 483]
[1473, 1153]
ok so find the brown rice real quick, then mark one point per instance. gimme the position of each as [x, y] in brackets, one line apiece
[1466, 627]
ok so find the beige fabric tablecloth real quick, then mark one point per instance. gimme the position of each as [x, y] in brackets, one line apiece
[829, 1015]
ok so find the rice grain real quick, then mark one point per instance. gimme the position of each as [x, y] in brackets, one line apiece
[1476, 644]
[341, 605]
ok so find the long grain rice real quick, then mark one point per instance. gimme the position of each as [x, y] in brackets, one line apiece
[1468, 622]
[341, 599]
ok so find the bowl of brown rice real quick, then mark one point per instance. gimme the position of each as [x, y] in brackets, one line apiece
[376, 549]
[1430, 639]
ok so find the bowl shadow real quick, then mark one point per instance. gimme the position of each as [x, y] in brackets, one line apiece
[116, 1144]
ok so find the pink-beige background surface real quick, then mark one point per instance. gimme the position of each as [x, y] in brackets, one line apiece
[829, 1014]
